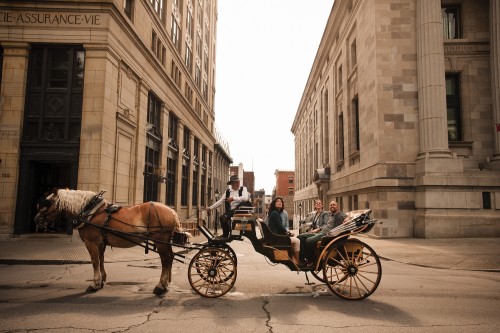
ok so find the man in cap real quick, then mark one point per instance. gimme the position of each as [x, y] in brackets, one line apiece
[234, 197]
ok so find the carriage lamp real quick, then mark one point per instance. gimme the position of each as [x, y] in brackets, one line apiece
[217, 194]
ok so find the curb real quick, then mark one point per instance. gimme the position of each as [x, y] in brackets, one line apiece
[42, 262]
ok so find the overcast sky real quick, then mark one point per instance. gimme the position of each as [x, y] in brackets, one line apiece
[265, 51]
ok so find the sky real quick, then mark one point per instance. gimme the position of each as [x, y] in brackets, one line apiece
[265, 51]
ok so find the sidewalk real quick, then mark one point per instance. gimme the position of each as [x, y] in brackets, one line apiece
[475, 254]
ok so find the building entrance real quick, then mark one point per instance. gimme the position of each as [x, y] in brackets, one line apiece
[37, 178]
[50, 142]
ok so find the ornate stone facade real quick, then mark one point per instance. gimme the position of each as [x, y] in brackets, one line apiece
[115, 95]
[400, 115]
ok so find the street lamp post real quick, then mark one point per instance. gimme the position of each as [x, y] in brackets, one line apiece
[216, 215]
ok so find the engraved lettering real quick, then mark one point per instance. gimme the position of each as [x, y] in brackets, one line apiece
[7, 17]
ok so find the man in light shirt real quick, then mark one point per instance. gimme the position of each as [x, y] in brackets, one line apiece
[233, 198]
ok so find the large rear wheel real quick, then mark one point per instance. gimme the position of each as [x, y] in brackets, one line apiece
[212, 272]
[352, 270]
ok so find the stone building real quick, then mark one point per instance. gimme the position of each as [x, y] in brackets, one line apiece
[401, 115]
[111, 94]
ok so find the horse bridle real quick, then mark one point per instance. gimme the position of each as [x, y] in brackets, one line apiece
[43, 212]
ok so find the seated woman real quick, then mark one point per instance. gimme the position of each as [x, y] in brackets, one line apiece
[276, 226]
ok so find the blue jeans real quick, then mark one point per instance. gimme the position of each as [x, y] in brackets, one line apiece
[308, 244]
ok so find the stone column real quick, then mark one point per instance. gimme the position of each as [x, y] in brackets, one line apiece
[12, 99]
[431, 81]
[495, 73]
[190, 175]
[164, 152]
[178, 189]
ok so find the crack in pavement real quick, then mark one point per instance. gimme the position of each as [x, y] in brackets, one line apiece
[268, 314]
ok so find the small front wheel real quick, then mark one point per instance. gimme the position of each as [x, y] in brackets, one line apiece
[352, 270]
[212, 272]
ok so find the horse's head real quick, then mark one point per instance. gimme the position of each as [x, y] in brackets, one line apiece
[47, 210]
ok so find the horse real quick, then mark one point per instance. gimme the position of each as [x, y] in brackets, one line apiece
[149, 221]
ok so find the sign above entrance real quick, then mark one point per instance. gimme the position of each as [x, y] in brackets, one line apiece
[45, 18]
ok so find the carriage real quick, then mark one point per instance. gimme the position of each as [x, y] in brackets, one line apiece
[349, 267]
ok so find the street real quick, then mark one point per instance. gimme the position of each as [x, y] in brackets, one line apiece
[265, 298]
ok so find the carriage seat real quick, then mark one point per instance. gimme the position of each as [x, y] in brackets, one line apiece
[272, 239]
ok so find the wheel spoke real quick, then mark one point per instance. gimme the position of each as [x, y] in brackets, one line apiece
[352, 270]
[212, 272]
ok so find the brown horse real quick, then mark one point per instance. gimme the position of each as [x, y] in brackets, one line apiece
[151, 220]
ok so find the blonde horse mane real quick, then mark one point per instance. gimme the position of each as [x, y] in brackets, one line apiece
[73, 200]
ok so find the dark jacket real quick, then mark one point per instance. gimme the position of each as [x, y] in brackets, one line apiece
[274, 223]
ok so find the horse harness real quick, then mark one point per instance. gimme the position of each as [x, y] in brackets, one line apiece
[94, 205]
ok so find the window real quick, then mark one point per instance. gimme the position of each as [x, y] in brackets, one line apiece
[355, 144]
[340, 138]
[158, 7]
[196, 148]
[152, 172]
[290, 180]
[326, 127]
[176, 33]
[189, 59]
[172, 131]
[203, 189]
[454, 116]
[55, 76]
[188, 93]
[205, 90]
[128, 6]
[451, 22]
[194, 197]
[176, 74]
[189, 24]
[157, 47]
[486, 200]
[154, 112]
[198, 46]
[171, 177]
[186, 143]
[197, 76]
[353, 55]
[339, 77]
[184, 183]
[290, 191]
[205, 62]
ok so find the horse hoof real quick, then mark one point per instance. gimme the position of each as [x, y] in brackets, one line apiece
[91, 289]
[159, 291]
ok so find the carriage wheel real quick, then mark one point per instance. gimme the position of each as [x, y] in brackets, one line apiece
[352, 270]
[212, 272]
[231, 252]
[227, 248]
[318, 275]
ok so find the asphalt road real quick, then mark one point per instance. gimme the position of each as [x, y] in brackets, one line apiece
[265, 298]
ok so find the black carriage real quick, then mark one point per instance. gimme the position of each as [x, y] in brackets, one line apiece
[349, 267]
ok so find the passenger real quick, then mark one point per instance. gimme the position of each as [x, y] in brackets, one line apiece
[237, 196]
[320, 217]
[308, 240]
[275, 223]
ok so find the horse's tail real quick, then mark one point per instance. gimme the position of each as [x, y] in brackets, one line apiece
[177, 226]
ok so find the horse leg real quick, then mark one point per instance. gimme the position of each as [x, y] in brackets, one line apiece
[167, 258]
[101, 262]
[95, 255]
